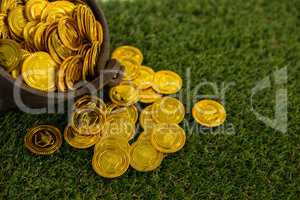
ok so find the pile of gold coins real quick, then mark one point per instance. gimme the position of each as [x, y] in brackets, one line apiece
[111, 127]
[53, 45]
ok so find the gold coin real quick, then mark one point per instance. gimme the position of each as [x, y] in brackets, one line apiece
[168, 110]
[131, 69]
[61, 84]
[111, 160]
[9, 54]
[17, 21]
[99, 32]
[146, 120]
[43, 140]
[118, 125]
[38, 38]
[34, 8]
[88, 120]
[130, 112]
[29, 31]
[209, 113]
[85, 70]
[73, 72]
[144, 78]
[68, 33]
[168, 138]
[57, 9]
[113, 140]
[167, 82]
[144, 157]
[4, 29]
[125, 94]
[7, 5]
[128, 52]
[79, 141]
[149, 96]
[90, 101]
[93, 56]
[38, 71]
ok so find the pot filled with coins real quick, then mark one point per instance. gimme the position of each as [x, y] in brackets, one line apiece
[52, 47]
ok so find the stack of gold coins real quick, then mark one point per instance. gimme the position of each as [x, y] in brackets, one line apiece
[87, 122]
[53, 45]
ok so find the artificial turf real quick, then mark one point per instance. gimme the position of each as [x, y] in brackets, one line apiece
[219, 41]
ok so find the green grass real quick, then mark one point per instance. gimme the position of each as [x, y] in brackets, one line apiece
[220, 41]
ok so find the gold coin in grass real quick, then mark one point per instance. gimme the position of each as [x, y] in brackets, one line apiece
[9, 54]
[168, 138]
[43, 140]
[39, 71]
[88, 120]
[113, 140]
[144, 78]
[167, 82]
[125, 94]
[149, 95]
[79, 141]
[168, 110]
[111, 157]
[128, 52]
[145, 157]
[209, 113]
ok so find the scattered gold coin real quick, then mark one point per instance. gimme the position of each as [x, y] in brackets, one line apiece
[168, 110]
[125, 94]
[144, 157]
[167, 82]
[168, 138]
[128, 52]
[79, 141]
[149, 96]
[111, 158]
[144, 78]
[209, 113]
[43, 140]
